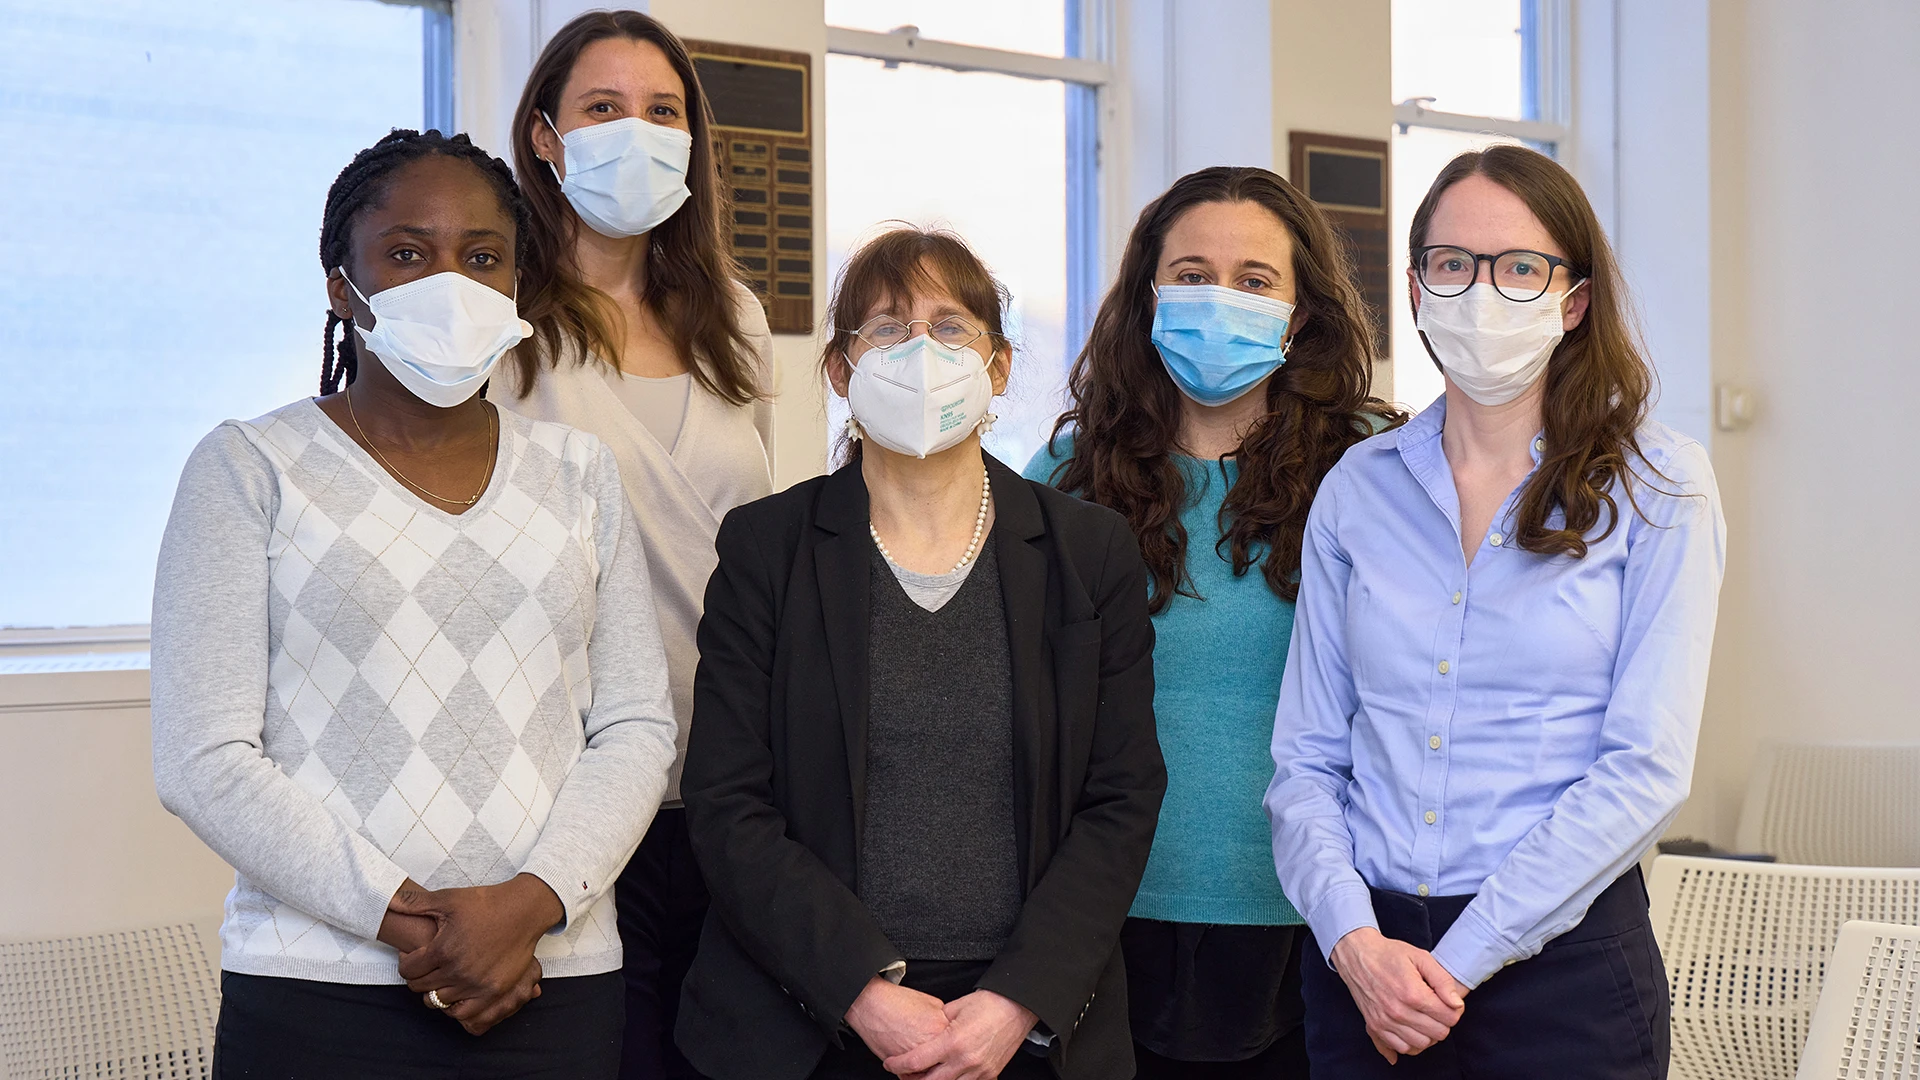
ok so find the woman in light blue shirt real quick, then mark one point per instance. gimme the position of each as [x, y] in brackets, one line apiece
[1226, 373]
[1498, 664]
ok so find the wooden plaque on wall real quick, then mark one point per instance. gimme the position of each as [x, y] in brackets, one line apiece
[762, 101]
[1349, 179]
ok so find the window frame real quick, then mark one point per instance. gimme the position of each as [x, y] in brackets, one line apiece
[1546, 68]
[1090, 78]
[32, 651]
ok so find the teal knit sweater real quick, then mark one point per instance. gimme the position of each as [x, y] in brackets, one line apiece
[1216, 671]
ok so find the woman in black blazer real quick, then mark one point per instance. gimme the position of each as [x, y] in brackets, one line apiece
[922, 797]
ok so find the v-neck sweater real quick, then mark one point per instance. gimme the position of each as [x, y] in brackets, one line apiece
[679, 492]
[352, 687]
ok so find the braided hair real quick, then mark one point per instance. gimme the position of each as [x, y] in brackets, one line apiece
[363, 184]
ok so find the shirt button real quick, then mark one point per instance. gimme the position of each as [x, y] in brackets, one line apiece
[1443, 667]
[1539, 446]
[1422, 890]
[1494, 539]
[1456, 598]
[1432, 817]
[1433, 742]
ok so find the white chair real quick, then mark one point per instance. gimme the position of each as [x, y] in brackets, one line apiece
[139, 1004]
[1834, 805]
[1867, 1025]
[1746, 946]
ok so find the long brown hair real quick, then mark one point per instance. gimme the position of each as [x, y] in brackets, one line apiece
[1598, 382]
[902, 260]
[690, 276]
[1125, 419]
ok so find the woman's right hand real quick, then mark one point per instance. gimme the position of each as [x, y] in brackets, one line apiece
[892, 1019]
[1408, 1000]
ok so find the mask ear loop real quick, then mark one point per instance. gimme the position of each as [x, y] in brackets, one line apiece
[550, 165]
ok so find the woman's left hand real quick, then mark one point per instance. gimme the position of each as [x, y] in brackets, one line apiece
[481, 961]
[984, 1031]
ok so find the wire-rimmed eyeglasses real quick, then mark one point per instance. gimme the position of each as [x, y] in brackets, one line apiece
[884, 331]
[1519, 275]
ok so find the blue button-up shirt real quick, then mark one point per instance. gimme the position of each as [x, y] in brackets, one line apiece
[1520, 730]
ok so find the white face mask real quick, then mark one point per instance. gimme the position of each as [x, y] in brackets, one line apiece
[1491, 347]
[442, 335]
[920, 397]
[624, 177]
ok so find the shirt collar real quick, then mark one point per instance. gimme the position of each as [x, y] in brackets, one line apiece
[1427, 423]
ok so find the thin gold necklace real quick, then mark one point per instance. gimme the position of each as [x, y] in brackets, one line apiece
[493, 453]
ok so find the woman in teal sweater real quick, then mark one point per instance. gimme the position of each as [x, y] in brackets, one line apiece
[1227, 371]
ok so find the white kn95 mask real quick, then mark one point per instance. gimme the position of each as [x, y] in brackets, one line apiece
[920, 397]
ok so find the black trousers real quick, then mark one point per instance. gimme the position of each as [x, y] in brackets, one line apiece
[662, 900]
[1592, 1005]
[1215, 1002]
[296, 1029]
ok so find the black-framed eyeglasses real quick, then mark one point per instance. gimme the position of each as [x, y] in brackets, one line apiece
[1519, 275]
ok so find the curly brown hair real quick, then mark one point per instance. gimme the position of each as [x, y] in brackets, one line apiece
[690, 272]
[1598, 382]
[1126, 411]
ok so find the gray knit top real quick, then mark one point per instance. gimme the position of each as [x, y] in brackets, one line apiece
[939, 865]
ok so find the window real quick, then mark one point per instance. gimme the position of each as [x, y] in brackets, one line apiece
[1009, 78]
[165, 169]
[1466, 74]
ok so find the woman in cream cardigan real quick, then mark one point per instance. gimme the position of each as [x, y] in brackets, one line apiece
[643, 338]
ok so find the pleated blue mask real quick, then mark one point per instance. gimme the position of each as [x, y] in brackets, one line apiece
[1218, 343]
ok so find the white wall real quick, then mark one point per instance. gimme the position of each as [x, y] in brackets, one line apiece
[1813, 246]
[88, 847]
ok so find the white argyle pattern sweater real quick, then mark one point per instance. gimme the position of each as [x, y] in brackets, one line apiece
[352, 687]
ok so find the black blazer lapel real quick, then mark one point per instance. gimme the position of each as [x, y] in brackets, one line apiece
[1019, 530]
[843, 564]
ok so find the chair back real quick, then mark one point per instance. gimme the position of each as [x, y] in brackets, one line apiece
[1745, 947]
[1867, 1025]
[1834, 805]
[139, 1004]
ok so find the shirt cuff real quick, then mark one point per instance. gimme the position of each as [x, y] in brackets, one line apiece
[894, 972]
[576, 895]
[371, 912]
[1340, 912]
[1472, 950]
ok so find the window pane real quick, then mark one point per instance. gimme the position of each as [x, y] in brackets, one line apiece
[164, 174]
[1418, 156]
[1465, 54]
[1009, 203]
[1032, 26]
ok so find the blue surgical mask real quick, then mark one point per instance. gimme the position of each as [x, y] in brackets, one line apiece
[1218, 343]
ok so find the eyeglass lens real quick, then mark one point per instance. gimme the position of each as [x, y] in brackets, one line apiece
[1518, 275]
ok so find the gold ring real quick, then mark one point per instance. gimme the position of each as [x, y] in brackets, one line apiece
[433, 1000]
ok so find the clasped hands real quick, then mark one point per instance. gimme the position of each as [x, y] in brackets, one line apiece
[472, 947]
[1408, 1000]
[916, 1035]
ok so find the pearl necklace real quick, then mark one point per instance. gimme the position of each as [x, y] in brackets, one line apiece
[979, 526]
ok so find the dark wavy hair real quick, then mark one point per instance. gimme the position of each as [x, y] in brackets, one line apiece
[690, 273]
[1126, 411]
[1598, 383]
